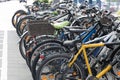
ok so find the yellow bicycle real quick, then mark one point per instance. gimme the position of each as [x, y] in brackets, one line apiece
[62, 67]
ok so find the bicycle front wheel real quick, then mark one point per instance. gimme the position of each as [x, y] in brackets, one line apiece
[55, 68]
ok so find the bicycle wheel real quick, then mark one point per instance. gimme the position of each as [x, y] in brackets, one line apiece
[53, 50]
[22, 24]
[42, 45]
[39, 47]
[16, 15]
[41, 42]
[55, 68]
[23, 44]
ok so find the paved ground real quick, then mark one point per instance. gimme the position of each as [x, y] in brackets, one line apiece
[12, 65]
[17, 68]
[1, 49]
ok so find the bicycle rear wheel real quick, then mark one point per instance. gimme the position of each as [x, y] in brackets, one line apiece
[22, 24]
[16, 15]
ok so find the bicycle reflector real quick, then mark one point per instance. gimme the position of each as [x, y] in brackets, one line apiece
[43, 77]
[42, 56]
[118, 73]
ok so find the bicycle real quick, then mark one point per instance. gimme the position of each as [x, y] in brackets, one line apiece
[109, 56]
[37, 51]
[63, 64]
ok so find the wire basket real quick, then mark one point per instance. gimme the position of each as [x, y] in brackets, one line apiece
[40, 27]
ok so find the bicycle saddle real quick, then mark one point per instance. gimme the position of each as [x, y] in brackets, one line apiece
[60, 25]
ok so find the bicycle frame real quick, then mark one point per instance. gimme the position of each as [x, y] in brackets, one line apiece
[83, 49]
[107, 38]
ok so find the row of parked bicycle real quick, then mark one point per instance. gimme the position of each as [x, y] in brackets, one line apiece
[64, 41]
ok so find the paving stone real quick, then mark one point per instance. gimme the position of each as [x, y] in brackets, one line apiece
[1, 41]
[0, 73]
[1, 53]
[21, 77]
[1, 36]
[1, 33]
[0, 63]
[1, 46]
[17, 67]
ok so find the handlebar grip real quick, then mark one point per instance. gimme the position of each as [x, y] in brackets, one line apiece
[112, 43]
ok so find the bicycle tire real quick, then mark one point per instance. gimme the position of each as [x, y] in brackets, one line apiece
[76, 67]
[18, 27]
[42, 43]
[39, 47]
[16, 15]
[22, 45]
[47, 52]
[39, 41]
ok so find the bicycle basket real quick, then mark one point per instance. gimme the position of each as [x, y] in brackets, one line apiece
[39, 27]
